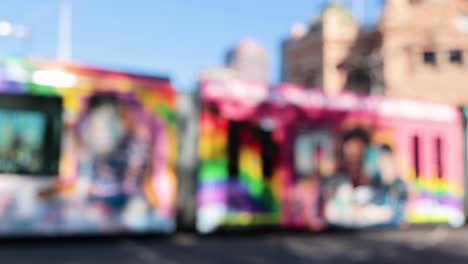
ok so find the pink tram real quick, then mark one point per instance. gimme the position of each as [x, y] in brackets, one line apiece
[295, 158]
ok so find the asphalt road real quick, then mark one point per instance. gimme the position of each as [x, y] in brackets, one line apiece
[422, 245]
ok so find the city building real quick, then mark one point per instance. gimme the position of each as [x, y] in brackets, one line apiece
[247, 60]
[417, 50]
[312, 54]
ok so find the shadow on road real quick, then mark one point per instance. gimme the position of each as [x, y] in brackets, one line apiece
[410, 246]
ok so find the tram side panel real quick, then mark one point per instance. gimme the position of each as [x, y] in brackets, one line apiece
[117, 158]
[431, 162]
[339, 164]
[396, 161]
[238, 176]
[338, 161]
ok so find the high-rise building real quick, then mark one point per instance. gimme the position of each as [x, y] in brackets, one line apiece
[249, 59]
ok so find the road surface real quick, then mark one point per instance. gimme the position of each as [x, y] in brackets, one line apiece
[421, 245]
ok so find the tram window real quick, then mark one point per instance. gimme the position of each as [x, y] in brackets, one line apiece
[416, 156]
[303, 155]
[268, 153]
[31, 135]
[233, 149]
[307, 154]
[268, 148]
[439, 150]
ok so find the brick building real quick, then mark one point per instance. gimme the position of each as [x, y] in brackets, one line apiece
[417, 50]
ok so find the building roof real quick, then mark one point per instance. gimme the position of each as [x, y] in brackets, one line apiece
[331, 7]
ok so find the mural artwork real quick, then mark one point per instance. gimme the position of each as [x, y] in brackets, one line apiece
[298, 159]
[117, 156]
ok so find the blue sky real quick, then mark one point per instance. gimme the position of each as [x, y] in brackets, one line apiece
[178, 38]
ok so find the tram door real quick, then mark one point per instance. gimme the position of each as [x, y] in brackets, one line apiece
[435, 175]
[251, 163]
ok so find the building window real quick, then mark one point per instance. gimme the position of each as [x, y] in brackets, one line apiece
[429, 57]
[310, 79]
[415, 2]
[359, 80]
[456, 56]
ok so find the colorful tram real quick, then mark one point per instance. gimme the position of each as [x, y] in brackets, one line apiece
[85, 151]
[91, 151]
[296, 158]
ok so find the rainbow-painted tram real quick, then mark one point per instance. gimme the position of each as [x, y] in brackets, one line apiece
[85, 150]
[91, 151]
[293, 157]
